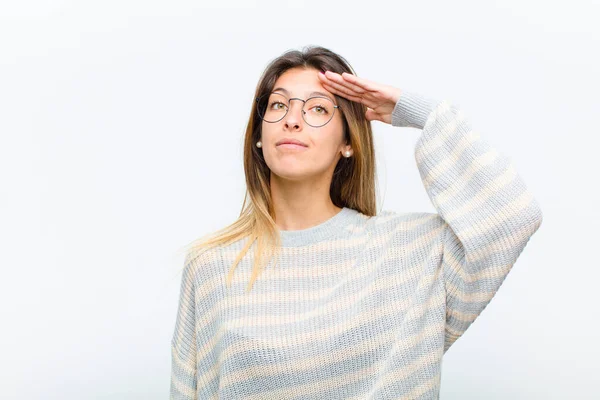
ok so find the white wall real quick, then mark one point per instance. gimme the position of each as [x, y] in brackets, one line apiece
[114, 153]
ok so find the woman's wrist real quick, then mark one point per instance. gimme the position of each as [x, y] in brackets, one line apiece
[412, 110]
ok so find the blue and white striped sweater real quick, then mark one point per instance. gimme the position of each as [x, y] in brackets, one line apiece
[360, 307]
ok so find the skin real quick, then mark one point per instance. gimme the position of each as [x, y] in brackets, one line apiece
[300, 180]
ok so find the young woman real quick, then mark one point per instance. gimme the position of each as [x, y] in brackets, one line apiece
[357, 304]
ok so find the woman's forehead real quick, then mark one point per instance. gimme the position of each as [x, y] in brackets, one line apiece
[306, 94]
[300, 82]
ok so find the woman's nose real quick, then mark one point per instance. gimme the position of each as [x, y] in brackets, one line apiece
[294, 114]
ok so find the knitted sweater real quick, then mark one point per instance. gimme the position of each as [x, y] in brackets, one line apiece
[360, 307]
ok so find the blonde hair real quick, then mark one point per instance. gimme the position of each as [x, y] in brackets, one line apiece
[352, 185]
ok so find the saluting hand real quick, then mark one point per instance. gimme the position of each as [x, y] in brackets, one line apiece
[380, 99]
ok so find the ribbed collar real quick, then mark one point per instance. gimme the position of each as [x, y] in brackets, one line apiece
[333, 227]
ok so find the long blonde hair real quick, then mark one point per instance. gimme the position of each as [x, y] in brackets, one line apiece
[352, 185]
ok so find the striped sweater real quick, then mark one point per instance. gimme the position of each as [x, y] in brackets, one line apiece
[360, 307]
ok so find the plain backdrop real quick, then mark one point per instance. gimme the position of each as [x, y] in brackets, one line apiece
[121, 128]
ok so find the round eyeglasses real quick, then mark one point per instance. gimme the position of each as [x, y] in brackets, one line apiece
[316, 111]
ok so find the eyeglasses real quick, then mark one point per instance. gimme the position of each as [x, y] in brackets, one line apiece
[316, 111]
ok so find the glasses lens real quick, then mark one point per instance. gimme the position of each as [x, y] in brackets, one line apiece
[272, 107]
[317, 111]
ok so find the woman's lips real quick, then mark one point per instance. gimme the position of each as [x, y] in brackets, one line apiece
[292, 146]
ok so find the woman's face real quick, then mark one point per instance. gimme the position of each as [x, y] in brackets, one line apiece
[324, 145]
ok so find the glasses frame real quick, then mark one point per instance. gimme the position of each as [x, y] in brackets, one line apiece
[335, 106]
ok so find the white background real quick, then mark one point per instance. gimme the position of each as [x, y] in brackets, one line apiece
[121, 128]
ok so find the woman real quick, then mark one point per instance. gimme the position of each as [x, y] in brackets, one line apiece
[360, 305]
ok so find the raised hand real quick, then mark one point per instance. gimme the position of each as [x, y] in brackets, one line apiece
[379, 98]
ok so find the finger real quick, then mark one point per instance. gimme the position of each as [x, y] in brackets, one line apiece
[359, 99]
[337, 78]
[335, 90]
[372, 115]
[341, 88]
[358, 84]
[354, 82]
[330, 79]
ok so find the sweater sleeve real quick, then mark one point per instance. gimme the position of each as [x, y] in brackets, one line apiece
[488, 213]
[183, 343]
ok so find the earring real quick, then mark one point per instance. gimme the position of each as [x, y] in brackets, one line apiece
[259, 144]
[347, 153]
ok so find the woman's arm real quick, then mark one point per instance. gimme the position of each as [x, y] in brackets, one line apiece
[183, 343]
[487, 209]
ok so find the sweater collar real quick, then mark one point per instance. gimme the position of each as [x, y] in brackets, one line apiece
[333, 227]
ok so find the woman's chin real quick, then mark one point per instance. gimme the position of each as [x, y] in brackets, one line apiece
[291, 174]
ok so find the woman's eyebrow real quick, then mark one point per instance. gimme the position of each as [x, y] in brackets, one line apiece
[310, 94]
